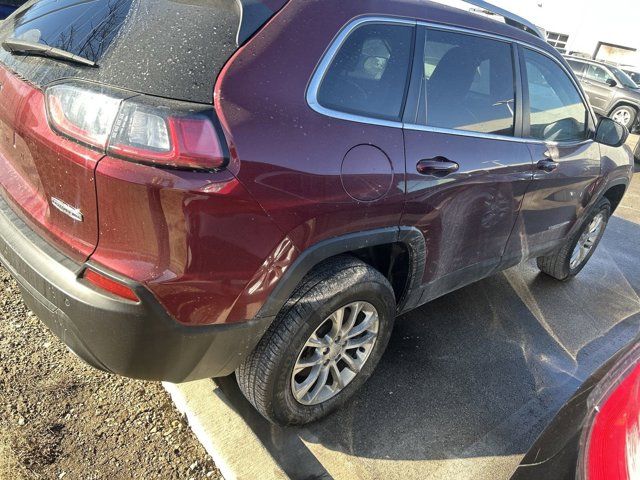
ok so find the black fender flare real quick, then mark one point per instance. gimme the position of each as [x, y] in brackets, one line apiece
[596, 198]
[411, 237]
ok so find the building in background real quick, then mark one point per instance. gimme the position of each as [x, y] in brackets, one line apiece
[601, 29]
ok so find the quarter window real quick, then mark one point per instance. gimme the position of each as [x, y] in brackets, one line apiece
[369, 73]
[577, 67]
[556, 110]
[467, 84]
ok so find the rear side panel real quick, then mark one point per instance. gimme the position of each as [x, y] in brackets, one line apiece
[37, 166]
[304, 168]
[198, 240]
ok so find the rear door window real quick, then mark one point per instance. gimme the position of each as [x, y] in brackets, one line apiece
[467, 84]
[556, 109]
[369, 74]
[598, 74]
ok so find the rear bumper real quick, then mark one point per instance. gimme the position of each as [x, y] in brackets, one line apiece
[138, 340]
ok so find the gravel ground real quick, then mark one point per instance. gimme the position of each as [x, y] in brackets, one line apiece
[60, 418]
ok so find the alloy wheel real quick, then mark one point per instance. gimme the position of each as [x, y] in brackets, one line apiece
[622, 116]
[587, 241]
[335, 353]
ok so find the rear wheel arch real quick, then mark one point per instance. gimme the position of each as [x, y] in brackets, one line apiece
[396, 252]
[624, 103]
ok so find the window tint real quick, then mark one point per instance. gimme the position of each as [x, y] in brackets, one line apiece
[468, 84]
[368, 75]
[577, 67]
[598, 74]
[557, 112]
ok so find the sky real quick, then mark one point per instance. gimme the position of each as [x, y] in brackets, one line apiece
[586, 21]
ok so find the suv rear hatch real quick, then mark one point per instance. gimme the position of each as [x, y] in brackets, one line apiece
[162, 48]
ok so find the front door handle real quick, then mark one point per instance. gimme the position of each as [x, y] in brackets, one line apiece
[547, 165]
[438, 166]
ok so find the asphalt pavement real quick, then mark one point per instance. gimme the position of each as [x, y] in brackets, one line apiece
[470, 380]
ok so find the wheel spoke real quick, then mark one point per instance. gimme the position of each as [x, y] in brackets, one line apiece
[355, 310]
[352, 364]
[368, 322]
[317, 342]
[336, 375]
[337, 319]
[301, 389]
[303, 363]
[361, 341]
[321, 382]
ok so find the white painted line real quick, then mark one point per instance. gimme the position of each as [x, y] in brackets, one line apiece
[235, 449]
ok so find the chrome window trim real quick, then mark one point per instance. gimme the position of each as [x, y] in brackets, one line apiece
[462, 133]
[335, 45]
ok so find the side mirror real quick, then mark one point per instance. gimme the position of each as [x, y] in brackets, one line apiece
[611, 82]
[611, 133]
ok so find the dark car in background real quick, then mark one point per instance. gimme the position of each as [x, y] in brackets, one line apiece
[596, 435]
[612, 93]
[192, 188]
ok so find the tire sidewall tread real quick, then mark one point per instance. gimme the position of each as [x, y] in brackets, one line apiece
[557, 265]
[265, 377]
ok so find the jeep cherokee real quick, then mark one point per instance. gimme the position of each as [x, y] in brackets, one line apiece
[195, 188]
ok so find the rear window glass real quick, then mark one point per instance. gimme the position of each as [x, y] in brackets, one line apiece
[467, 84]
[168, 48]
[82, 28]
[369, 74]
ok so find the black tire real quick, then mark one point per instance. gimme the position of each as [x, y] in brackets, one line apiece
[558, 264]
[633, 114]
[265, 377]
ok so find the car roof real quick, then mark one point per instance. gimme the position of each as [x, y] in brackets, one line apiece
[438, 13]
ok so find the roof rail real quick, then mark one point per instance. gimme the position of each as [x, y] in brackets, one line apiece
[509, 18]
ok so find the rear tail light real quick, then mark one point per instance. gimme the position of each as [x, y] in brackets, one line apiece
[611, 442]
[109, 285]
[81, 114]
[138, 128]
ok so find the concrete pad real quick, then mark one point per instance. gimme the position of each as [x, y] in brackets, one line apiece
[470, 380]
[235, 449]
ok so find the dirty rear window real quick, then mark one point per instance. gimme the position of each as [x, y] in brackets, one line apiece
[168, 48]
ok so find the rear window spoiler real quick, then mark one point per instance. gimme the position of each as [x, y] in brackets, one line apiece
[253, 15]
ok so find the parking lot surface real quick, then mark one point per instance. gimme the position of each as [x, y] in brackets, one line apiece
[467, 384]
[470, 380]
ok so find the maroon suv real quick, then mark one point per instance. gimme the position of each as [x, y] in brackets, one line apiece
[196, 187]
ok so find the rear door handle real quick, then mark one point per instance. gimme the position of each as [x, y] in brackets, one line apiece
[438, 166]
[547, 165]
